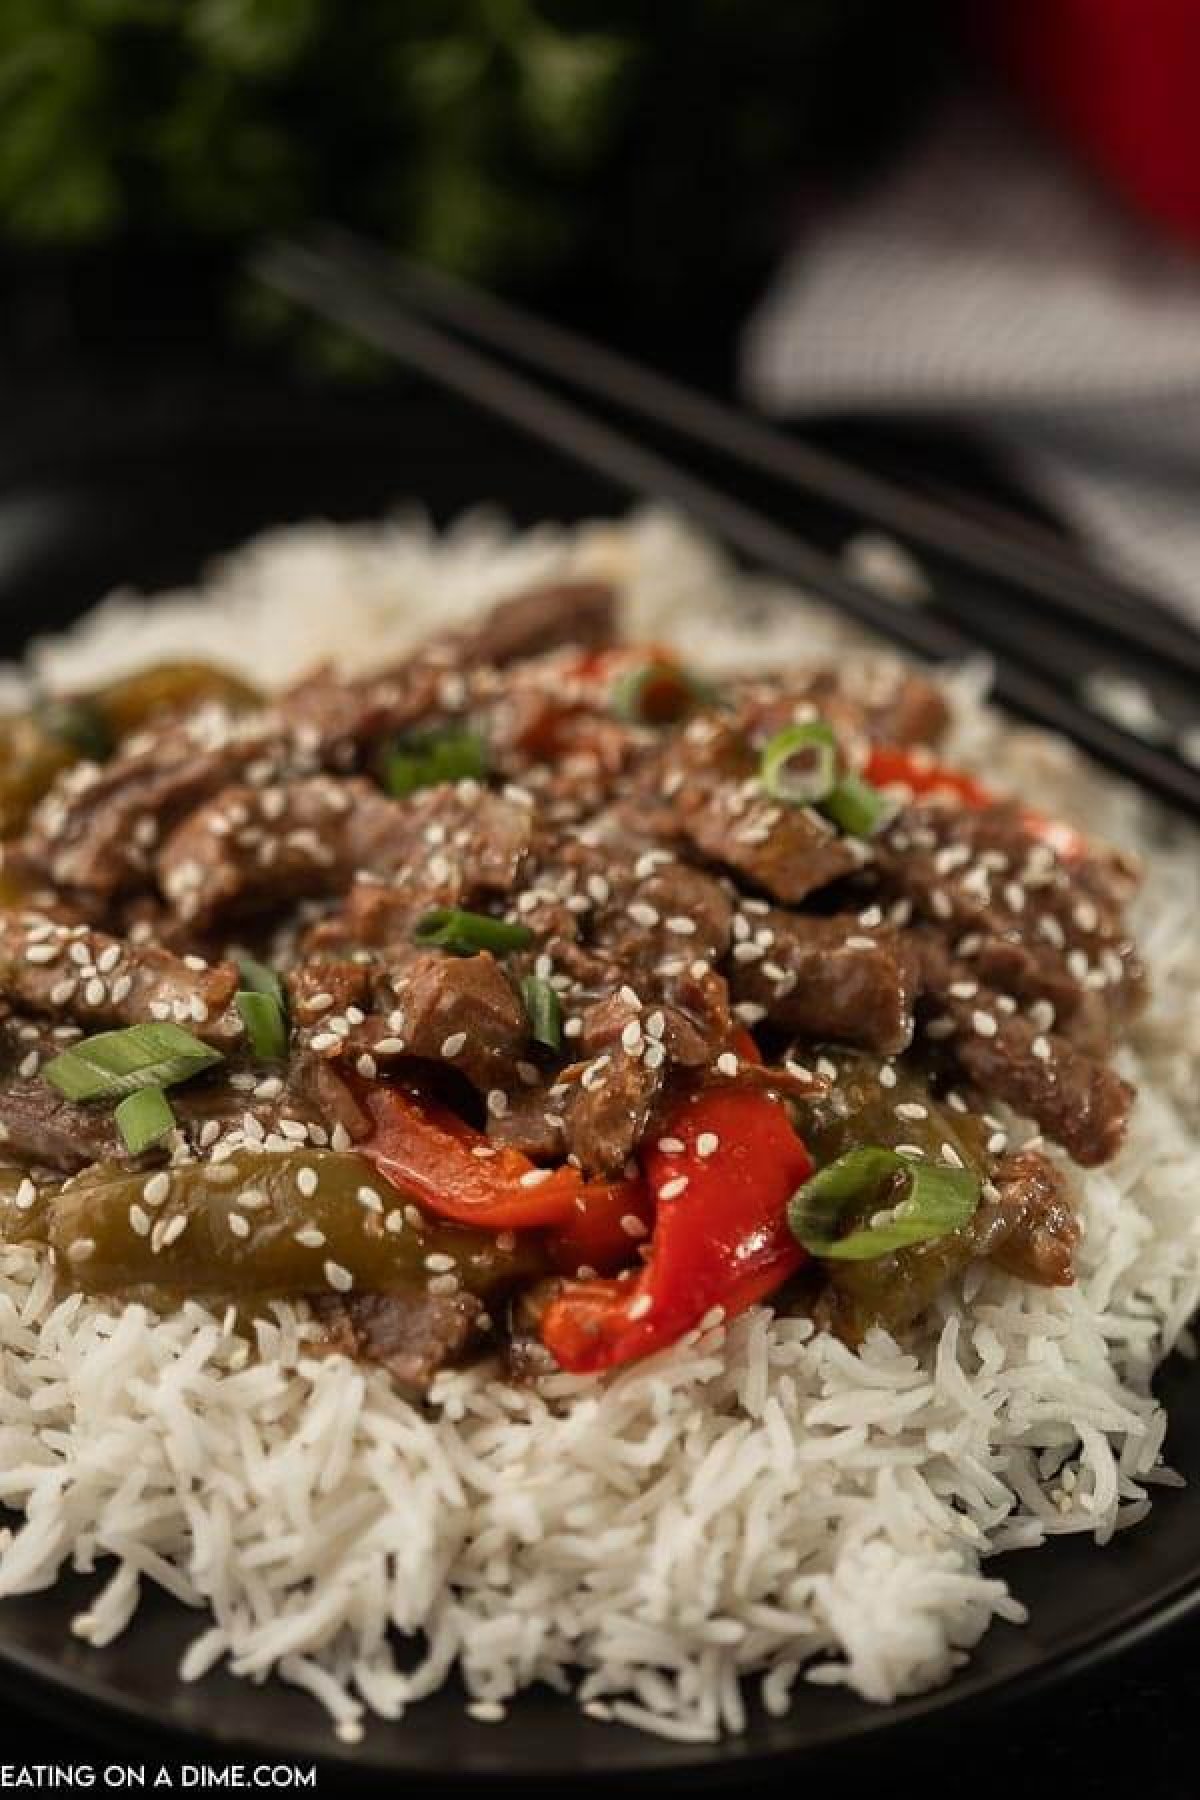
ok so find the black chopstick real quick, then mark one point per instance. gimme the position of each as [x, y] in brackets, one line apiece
[1027, 560]
[341, 291]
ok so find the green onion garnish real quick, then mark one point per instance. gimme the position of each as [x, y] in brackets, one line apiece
[799, 767]
[266, 1026]
[144, 1118]
[658, 694]
[544, 1010]
[259, 977]
[906, 1202]
[856, 806]
[114, 1063]
[466, 933]
[78, 723]
[424, 761]
[799, 764]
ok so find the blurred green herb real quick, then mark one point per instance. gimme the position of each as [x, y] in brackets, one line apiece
[649, 146]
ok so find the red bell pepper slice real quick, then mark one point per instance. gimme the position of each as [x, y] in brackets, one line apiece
[888, 766]
[456, 1173]
[604, 1229]
[720, 1240]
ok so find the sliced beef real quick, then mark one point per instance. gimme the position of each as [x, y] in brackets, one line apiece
[412, 1336]
[251, 847]
[97, 830]
[827, 979]
[1027, 1224]
[722, 810]
[462, 1011]
[608, 1107]
[540, 619]
[69, 971]
[1005, 900]
[877, 699]
[337, 717]
[38, 1126]
[1079, 1102]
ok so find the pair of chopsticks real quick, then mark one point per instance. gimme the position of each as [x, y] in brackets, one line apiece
[511, 364]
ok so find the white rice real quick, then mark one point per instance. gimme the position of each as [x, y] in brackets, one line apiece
[756, 1502]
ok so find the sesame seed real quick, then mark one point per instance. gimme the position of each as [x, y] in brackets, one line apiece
[640, 1307]
[497, 1103]
[670, 1190]
[156, 1188]
[368, 1197]
[984, 1024]
[239, 1226]
[453, 1044]
[306, 1182]
[309, 1237]
[174, 1229]
[1041, 1048]
[338, 1277]
[535, 1177]
[671, 1146]
[911, 1109]
[727, 1063]
[707, 1143]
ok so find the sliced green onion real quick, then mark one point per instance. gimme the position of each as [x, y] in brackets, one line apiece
[906, 1202]
[120, 1062]
[799, 764]
[424, 761]
[144, 1118]
[259, 977]
[78, 723]
[544, 1010]
[266, 1026]
[658, 693]
[857, 807]
[466, 933]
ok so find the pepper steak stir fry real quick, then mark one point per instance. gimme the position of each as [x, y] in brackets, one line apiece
[535, 995]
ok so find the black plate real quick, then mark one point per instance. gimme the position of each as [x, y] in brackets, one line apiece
[144, 496]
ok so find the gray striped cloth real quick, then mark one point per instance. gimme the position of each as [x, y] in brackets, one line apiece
[985, 281]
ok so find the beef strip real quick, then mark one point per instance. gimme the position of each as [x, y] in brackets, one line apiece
[412, 1336]
[462, 1011]
[101, 981]
[868, 698]
[829, 979]
[1079, 1102]
[250, 847]
[721, 809]
[97, 828]
[1026, 1222]
[40, 1127]
[609, 1103]
[539, 619]
[1009, 905]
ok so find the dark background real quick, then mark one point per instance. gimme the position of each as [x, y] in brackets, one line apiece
[633, 169]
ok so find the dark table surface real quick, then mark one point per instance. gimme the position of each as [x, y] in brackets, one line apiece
[118, 477]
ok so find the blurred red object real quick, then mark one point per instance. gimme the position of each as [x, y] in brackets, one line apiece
[1120, 79]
